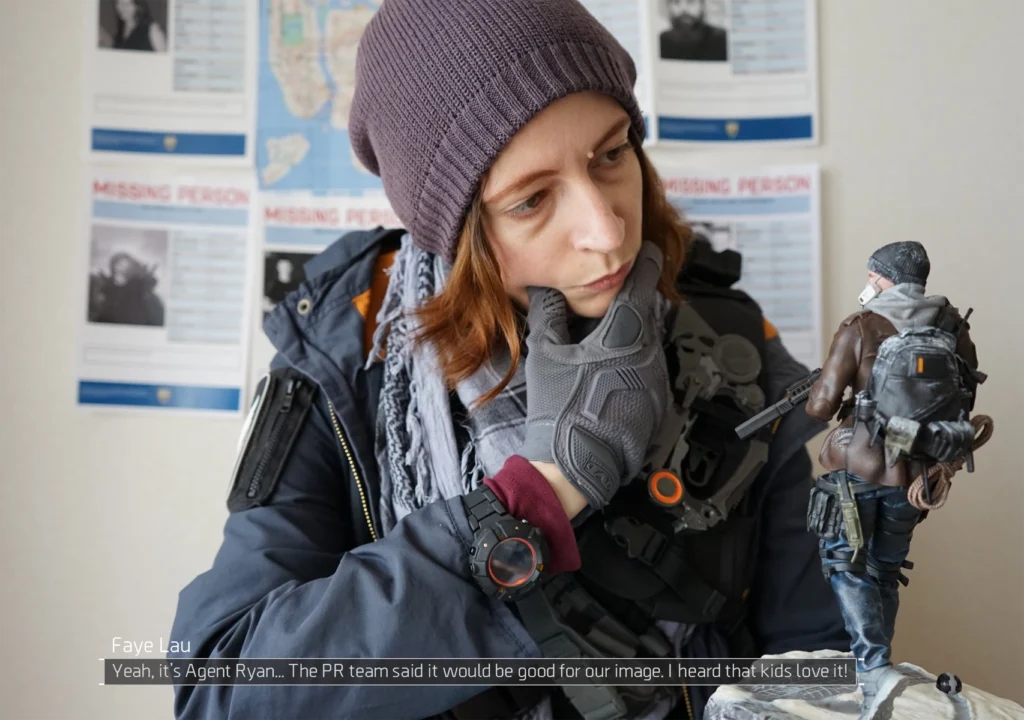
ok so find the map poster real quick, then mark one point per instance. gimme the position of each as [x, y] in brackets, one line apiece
[296, 228]
[166, 280]
[735, 71]
[307, 55]
[171, 78]
[772, 217]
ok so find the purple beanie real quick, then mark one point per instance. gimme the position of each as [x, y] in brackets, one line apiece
[443, 85]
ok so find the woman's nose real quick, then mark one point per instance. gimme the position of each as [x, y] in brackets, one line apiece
[596, 226]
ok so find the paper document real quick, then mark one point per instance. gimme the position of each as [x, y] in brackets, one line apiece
[174, 78]
[771, 216]
[168, 265]
[735, 71]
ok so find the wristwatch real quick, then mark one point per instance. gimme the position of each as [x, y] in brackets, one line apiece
[508, 555]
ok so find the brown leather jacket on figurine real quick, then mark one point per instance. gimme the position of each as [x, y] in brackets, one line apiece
[888, 307]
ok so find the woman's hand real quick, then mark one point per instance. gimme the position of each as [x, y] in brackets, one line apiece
[594, 407]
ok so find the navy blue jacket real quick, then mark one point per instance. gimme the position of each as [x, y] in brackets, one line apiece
[309, 575]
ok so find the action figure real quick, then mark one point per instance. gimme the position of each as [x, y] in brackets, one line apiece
[903, 431]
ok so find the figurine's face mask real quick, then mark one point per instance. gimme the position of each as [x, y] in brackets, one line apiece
[870, 291]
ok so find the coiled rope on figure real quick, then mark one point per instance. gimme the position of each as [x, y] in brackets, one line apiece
[940, 475]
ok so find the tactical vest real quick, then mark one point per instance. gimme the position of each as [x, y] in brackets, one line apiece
[653, 555]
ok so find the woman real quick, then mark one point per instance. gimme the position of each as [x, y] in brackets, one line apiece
[125, 295]
[136, 28]
[508, 140]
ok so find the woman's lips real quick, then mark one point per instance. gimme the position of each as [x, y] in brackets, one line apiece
[609, 282]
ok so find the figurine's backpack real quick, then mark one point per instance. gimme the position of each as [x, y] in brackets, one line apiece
[919, 383]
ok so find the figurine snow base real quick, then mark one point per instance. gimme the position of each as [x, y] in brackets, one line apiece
[914, 696]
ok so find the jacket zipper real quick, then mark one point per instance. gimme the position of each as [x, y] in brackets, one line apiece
[289, 396]
[686, 698]
[355, 471]
[251, 421]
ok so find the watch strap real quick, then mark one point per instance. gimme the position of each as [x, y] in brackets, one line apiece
[482, 506]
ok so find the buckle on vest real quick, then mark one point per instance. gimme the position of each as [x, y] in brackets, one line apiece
[641, 541]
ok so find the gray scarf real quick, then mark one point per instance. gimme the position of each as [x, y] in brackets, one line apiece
[419, 458]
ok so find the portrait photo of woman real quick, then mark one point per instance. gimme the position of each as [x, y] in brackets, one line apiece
[133, 25]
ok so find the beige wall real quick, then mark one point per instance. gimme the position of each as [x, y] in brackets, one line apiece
[105, 517]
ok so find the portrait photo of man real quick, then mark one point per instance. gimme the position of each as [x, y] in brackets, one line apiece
[692, 37]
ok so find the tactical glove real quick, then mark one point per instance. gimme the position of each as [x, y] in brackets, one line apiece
[593, 407]
[946, 441]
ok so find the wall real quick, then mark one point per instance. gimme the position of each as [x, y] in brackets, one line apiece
[104, 517]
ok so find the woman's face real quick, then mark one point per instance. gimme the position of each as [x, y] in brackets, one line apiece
[121, 271]
[562, 203]
[126, 9]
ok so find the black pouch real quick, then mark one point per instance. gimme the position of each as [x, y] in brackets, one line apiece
[823, 514]
[282, 401]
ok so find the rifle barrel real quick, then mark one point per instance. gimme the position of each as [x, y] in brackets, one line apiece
[795, 395]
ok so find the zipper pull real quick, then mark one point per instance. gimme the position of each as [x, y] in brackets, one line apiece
[289, 394]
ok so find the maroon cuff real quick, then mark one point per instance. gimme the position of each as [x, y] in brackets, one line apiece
[527, 495]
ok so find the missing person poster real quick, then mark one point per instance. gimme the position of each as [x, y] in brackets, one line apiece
[172, 78]
[734, 71]
[772, 217]
[164, 322]
[296, 228]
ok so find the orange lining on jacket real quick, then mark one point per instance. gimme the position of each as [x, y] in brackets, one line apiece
[368, 303]
[770, 331]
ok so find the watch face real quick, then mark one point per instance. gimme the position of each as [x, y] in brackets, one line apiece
[512, 562]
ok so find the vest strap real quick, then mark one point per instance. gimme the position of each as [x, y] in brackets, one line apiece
[550, 615]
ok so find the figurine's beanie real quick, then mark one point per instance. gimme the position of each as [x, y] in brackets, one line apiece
[442, 85]
[901, 262]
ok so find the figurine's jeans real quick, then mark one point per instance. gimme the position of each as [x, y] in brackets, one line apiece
[869, 603]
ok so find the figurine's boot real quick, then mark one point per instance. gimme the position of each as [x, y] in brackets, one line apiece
[875, 685]
[861, 605]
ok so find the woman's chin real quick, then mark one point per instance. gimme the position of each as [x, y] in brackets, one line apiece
[591, 305]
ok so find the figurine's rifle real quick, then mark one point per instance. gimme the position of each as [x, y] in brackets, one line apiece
[796, 395]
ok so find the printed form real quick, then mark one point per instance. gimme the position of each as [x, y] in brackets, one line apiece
[772, 217]
[168, 261]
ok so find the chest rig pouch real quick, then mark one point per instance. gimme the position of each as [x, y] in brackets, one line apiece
[677, 544]
[699, 469]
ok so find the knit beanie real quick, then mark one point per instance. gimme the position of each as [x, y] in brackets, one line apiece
[442, 85]
[901, 262]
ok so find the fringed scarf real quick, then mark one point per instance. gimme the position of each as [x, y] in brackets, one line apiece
[418, 454]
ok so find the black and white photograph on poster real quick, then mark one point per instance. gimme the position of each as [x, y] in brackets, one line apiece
[126, 269]
[133, 25]
[719, 235]
[282, 273]
[697, 30]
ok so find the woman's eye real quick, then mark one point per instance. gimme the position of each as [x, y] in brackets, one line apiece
[527, 206]
[615, 154]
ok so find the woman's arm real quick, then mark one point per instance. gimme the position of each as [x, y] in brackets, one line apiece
[287, 583]
[791, 605]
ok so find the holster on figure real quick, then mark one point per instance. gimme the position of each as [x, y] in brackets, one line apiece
[833, 509]
[826, 508]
